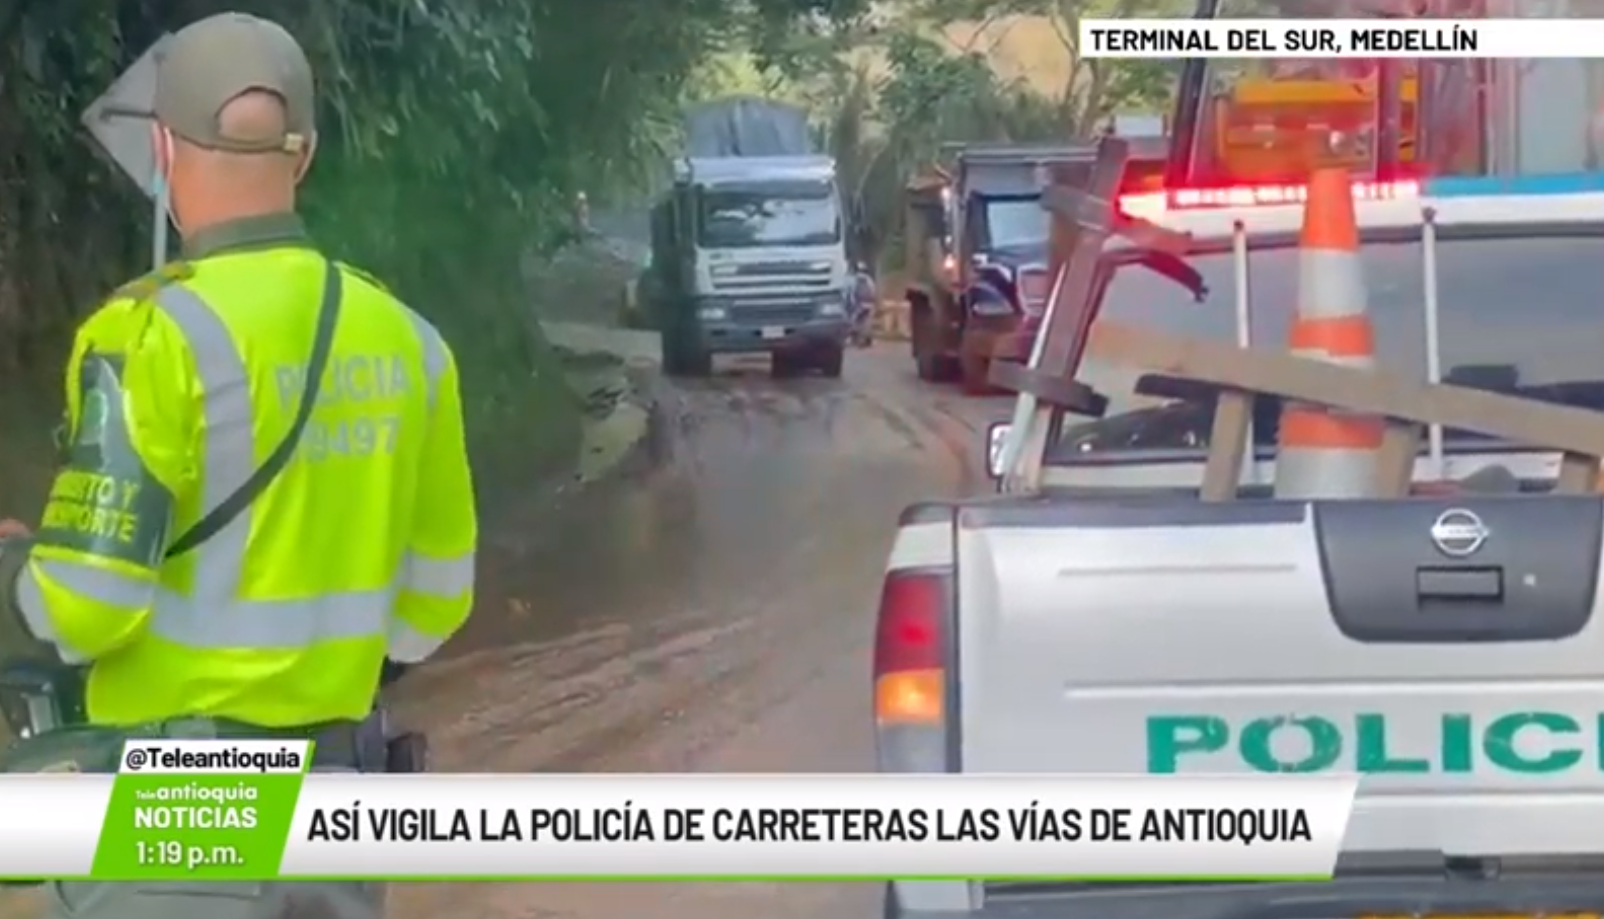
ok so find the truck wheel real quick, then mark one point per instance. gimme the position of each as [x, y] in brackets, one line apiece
[681, 359]
[698, 364]
[924, 361]
[829, 360]
[784, 365]
[975, 370]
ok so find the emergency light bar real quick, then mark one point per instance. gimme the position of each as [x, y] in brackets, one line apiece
[1182, 199]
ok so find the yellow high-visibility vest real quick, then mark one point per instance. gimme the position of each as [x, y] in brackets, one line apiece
[362, 547]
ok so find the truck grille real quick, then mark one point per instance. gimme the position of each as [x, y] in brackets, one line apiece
[773, 313]
[766, 277]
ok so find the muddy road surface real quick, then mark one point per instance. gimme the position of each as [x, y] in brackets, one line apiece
[714, 615]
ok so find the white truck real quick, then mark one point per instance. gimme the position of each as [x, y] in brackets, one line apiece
[749, 256]
[1449, 647]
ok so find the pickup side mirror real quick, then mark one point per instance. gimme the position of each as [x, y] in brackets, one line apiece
[996, 437]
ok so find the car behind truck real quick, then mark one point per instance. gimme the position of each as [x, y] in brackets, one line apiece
[1115, 612]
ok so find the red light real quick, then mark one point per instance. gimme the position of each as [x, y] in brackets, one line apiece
[911, 631]
[1258, 196]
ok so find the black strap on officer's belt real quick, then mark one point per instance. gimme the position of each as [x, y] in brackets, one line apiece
[224, 513]
[360, 745]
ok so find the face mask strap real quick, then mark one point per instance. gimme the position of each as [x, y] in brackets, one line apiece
[161, 200]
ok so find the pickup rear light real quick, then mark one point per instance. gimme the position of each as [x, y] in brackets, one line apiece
[911, 648]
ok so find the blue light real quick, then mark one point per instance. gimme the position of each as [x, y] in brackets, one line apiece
[1487, 186]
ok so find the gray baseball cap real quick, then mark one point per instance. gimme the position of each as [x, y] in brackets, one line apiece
[211, 62]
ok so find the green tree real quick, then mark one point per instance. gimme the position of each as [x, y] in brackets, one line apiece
[1094, 89]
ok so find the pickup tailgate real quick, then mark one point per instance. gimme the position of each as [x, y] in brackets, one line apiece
[1450, 651]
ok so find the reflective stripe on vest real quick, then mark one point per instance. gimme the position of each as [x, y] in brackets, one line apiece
[213, 616]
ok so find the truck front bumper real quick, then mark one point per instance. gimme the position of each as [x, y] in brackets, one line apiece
[750, 328]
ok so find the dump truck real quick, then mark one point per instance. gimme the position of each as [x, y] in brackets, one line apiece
[977, 255]
[748, 245]
[749, 257]
[1108, 610]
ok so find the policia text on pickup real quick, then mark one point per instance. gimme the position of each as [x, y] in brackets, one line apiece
[224, 555]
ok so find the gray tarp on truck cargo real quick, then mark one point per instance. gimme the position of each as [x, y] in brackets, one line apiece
[747, 126]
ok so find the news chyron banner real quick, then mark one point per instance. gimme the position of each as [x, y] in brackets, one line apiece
[233, 810]
[1339, 38]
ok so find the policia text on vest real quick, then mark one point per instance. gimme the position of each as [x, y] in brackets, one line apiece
[366, 391]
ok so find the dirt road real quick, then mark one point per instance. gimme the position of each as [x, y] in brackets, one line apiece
[715, 617]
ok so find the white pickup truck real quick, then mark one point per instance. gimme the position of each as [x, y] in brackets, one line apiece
[1446, 647]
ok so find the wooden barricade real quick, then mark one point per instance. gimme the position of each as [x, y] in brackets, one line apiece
[1234, 376]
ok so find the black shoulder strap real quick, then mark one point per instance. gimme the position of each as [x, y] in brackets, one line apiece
[223, 514]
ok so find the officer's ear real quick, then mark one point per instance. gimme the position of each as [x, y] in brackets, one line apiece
[303, 158]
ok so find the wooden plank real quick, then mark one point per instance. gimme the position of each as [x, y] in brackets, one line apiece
[1395, 464]
[1228, 443]
[1149, 235]
[1082, 222]
[1091, 210]
[1373, 392]
[1025, 476]
[1578, 474]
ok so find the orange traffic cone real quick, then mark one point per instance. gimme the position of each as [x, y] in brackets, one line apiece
[1325, 454]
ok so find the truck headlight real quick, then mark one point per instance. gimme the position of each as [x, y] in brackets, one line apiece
[832, 308]
[713, 313]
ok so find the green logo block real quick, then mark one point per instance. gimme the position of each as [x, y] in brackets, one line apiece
[196, 826]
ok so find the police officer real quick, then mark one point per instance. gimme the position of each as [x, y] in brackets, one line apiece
[356, 550]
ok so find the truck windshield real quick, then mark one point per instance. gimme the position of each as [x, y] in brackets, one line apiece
[781, 214]
[1517, 315]
[1015, 222]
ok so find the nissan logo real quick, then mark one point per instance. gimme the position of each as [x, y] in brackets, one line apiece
[1458, 533]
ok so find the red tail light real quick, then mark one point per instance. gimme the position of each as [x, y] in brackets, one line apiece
[910, 647]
